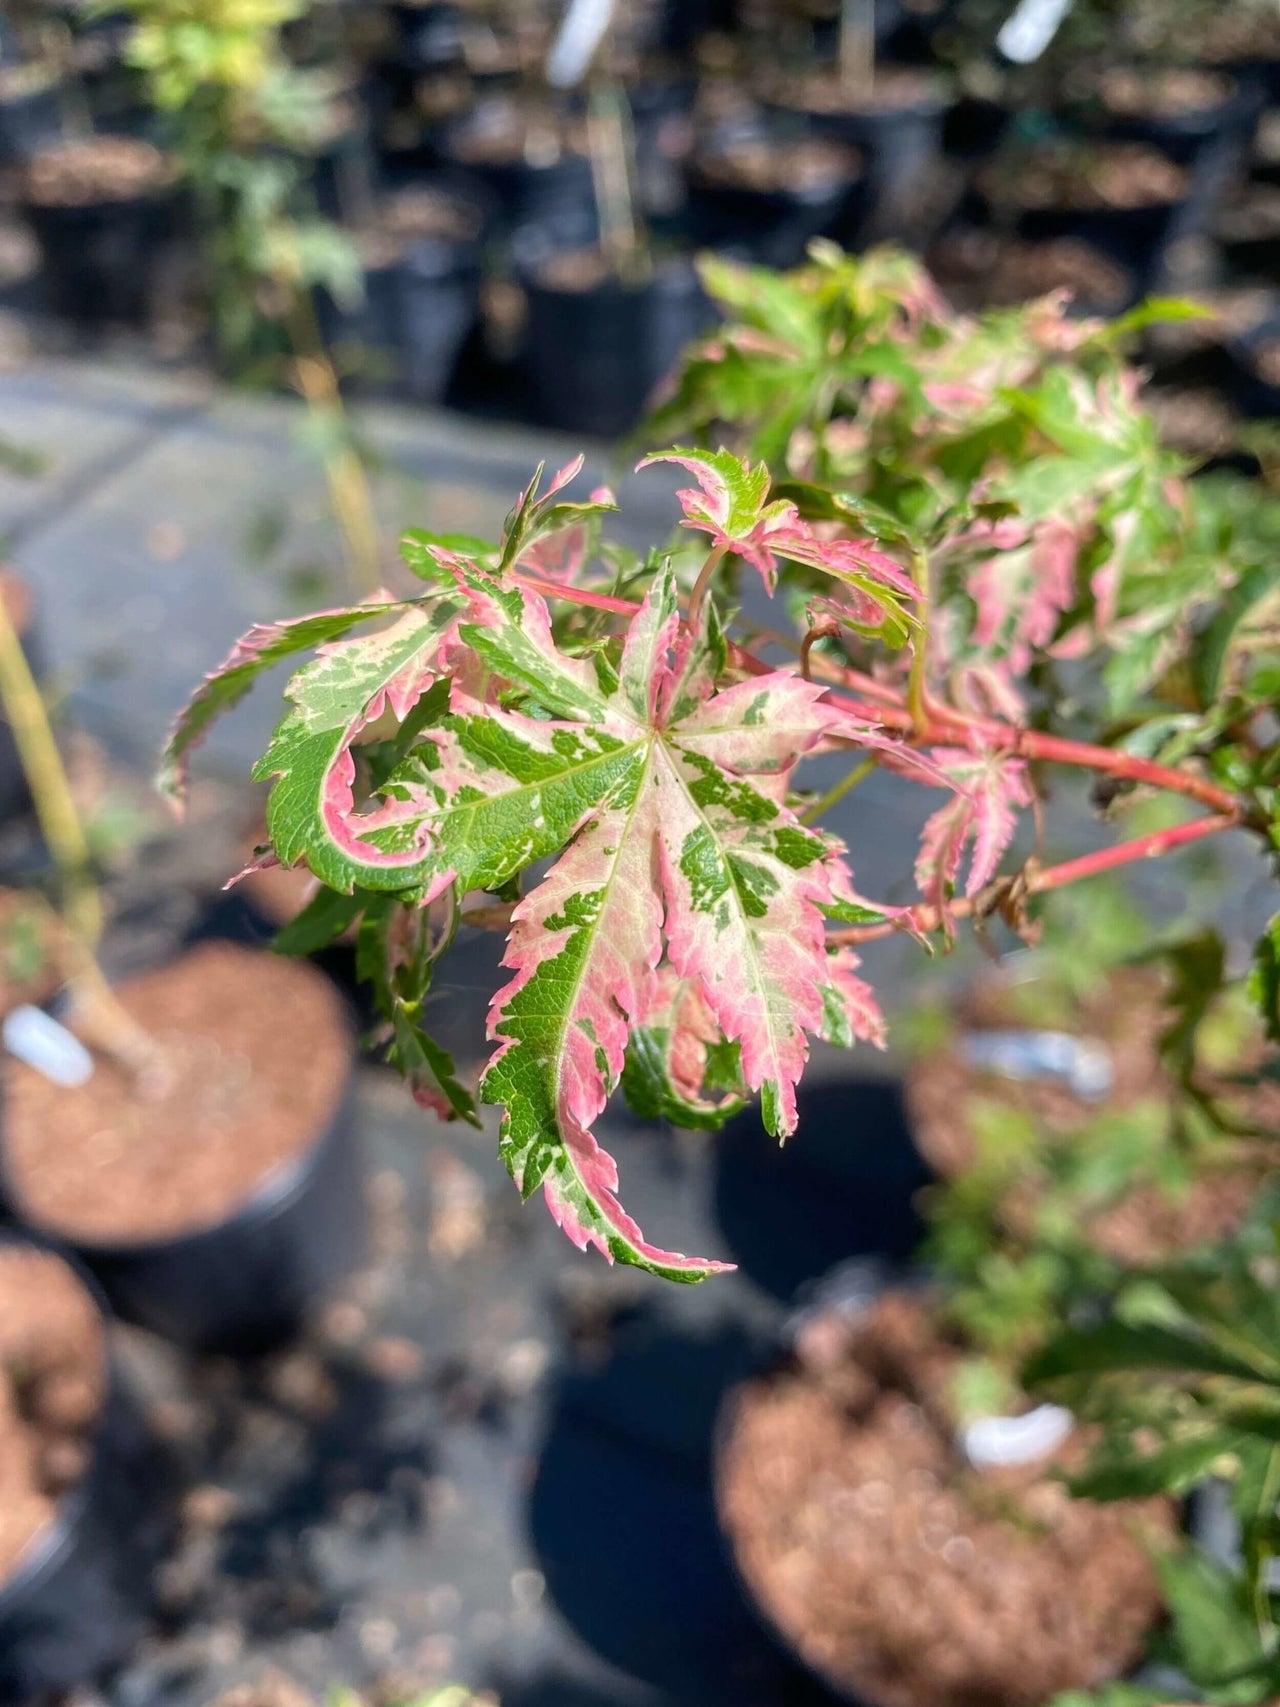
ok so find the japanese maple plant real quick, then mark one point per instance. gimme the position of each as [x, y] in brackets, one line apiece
[990, 567]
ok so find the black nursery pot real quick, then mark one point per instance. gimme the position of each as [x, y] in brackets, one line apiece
[437, 287]
[900, 144]
[1185, 136]
[1252, 392]
[596, 354]
[559, 196]
[428, 37]
[99, 260]
[77, 1603]
[248, 1282]
[28, 122]
[1136, 236]
[343, 174]
[770, 227]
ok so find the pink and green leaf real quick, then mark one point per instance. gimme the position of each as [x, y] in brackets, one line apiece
[347, 688]
[992, 788]
[264, 645]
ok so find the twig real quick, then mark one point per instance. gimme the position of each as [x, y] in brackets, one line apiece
[1039, 880]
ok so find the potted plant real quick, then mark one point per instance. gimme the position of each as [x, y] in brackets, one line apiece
[1179, 1385]
[81, 1524]
[607, 320]
[501, 735]
[101, 208]
[896, 1517]
[421, 251]
[232, 1242]
[246, 124]
[892, 111]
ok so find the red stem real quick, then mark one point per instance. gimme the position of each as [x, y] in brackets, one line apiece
[1039, 882]
[577, 595]
[947, 727]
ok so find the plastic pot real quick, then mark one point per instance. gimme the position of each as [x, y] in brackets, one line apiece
[343, 175]
[1136, 236]
[438, 296]
[429, 37]
[249, 1281]
[849, 1292]
[1185, 136]
[1253, 393]
[844, 1191]
[770, 226]
[900, 144]
[99, 260]
[28, 122]
[596, 354]
[78, 1601]
[558, 196]
[973, 127]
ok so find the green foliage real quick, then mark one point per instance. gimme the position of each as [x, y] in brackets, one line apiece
[1182, 1380]
[245, 122]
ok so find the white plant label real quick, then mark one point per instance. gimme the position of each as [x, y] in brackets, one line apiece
[993, 1443]
[575, 46]
[1029, 29]
[34, 1037]
[1080, 1063]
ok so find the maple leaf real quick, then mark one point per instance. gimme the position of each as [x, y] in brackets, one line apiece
[991, 788]
[265, 644]
[851, 1010]
[1026, 583]
[729, 505]
[679, 1066]
[341, 693]
[552, 538]
[643, 777]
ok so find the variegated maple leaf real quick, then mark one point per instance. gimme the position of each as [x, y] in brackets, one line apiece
[730, 506]
[679, 1065]
[646, 778]
[265, 644]
[991, 789]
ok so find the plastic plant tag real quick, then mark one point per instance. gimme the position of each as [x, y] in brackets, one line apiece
[991, 1443]
[583, 29]
[1029, 29]
[34, 1037]
[1079, 1063]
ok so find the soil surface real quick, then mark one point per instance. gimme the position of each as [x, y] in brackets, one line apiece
[52, 1380]
[81, 172]
[1121, 176]
[899, 1573]
[773, 167]
[894, 89]
[980, 269]
[1171, 94]
[409, 216]
[1125, 1013]
[1255, 214]
[255, 1052]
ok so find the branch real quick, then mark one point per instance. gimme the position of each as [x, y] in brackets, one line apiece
[1039, 880]
[576, 595]
[943, 726]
